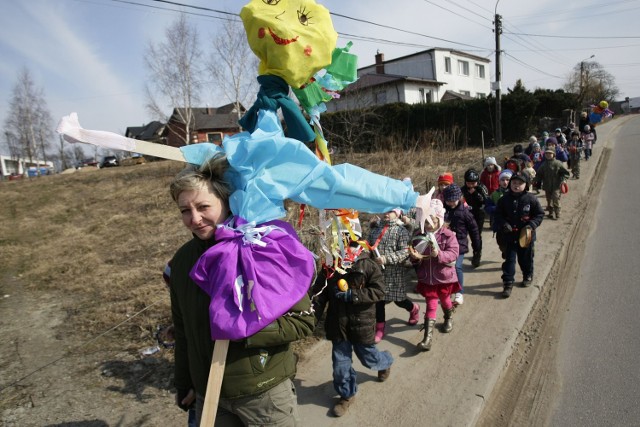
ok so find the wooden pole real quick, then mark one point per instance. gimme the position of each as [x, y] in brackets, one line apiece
[482, 137]
[214, 383]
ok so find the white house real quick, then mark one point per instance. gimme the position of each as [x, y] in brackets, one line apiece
[432, 75]
[11, 165]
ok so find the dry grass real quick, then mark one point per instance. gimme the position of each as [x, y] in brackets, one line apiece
[99, 240]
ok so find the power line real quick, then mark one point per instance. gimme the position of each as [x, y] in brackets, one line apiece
[173, 10]
[598, 7]
[332, 13]
[403, 31]
[530, 66]
[575, 37]
[457, 14]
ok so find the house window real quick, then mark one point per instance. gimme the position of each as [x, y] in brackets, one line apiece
[447, 64]
[381, 98]
[463, 68]
[465, 92]
[215, 137]
[425, 95]
[480, 71]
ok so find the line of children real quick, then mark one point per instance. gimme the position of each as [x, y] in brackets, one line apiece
[434, 258]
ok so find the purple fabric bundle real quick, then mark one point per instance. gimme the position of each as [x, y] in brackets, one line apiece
[254, 274]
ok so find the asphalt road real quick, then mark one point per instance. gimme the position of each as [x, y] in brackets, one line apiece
[598, 359]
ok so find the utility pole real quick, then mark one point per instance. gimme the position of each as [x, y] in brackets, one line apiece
[497, 84]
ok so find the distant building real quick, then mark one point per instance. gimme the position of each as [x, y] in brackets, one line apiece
[19, 166]
[209, 124]
[432, 75]
[151, 132]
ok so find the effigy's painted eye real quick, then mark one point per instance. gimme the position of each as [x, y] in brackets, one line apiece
[304, 17]
[271, 2]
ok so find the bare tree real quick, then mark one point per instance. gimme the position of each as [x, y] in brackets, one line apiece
[28, 127]
[233, 66]
[592, 83]
[175, 76]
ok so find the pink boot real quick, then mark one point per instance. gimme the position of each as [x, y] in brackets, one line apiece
[415, 315]
[379, 331]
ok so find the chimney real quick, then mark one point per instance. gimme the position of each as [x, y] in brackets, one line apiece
[379, 63]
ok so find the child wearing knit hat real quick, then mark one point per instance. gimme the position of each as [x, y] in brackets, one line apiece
[434, 255]
[461, 222]
[444, 180]
[492, 203]
[489, 175]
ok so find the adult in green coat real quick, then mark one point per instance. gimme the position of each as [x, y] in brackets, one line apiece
[257, 387]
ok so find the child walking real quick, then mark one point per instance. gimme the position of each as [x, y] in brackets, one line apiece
[492, 203]
[435, 267]
[550, 176]
[475, 194]
[575, 148]
[390, 239]
[461, 222]
[350, 300]
[588, 139]
[490, 174]
[518, 209]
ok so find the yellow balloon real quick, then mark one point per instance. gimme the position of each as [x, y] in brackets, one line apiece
[604, 104]
[343, 285]
[294, 39]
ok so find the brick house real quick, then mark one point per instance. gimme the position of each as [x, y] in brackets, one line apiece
[206, 124]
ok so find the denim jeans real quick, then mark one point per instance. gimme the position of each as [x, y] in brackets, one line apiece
[344, 376]
[459, 272]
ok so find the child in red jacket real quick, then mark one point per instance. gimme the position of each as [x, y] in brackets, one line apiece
[434, 255]
[490, 175]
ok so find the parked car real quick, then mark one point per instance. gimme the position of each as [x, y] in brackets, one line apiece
[109, 161]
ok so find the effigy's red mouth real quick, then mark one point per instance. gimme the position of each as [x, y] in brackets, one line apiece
[277, 39]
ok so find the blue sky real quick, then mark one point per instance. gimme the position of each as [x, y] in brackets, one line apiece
[87, 55]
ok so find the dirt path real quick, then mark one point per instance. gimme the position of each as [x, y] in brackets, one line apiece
[49, 380]
[524, 395]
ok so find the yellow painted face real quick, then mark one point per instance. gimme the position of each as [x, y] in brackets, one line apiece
[294, 39]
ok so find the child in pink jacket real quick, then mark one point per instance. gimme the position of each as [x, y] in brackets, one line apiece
[434, 256]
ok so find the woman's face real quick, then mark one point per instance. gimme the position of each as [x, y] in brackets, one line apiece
[390, 216]
[201, 211]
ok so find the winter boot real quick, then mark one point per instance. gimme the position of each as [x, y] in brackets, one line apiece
[557, 213]
[425, 344]
[448, 322]
[414, 315]
[379, 331]
[342, 406]
[506, 292]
